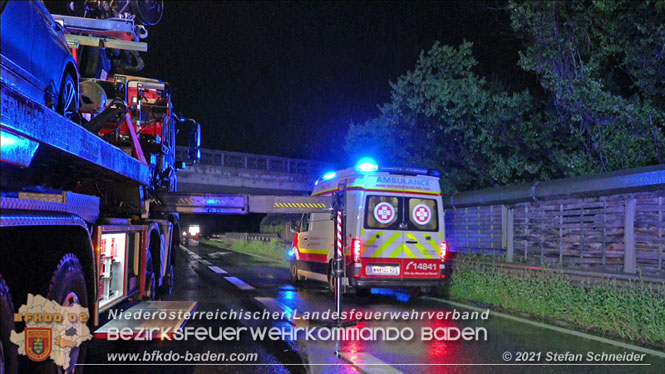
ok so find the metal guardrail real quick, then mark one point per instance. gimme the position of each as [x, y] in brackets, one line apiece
[621, 181]
[257, 162]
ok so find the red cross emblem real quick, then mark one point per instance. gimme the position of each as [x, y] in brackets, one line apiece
[384, 213]
[422, 214]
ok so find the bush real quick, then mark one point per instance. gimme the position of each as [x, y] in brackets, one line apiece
[635, 311]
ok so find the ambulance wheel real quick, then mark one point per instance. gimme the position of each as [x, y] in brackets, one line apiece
[67, 288]
[295, 278]
[150, 283]
[8, 350]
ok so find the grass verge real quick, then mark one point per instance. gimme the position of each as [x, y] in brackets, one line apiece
[274, 249]
[635, 312]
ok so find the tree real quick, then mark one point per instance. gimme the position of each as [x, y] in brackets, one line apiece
[603, 63]
[602, 67]
[442, 115]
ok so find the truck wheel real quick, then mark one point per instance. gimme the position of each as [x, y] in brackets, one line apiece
[295, 278]
[8, 350]
[166, 289]
[150, 283]
[67, 97]
[68, 288]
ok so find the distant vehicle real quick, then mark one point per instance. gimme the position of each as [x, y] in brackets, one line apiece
[394, 231]
[35, 51]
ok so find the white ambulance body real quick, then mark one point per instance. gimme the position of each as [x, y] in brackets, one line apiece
[394, 230]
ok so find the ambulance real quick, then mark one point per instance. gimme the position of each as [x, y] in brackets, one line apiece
[393, 233]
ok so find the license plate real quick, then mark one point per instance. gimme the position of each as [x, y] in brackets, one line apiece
[383, 270]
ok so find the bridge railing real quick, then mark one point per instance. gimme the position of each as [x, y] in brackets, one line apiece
[612, 222]
[257, 162]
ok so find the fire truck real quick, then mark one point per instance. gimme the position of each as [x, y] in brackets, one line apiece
[82, 215]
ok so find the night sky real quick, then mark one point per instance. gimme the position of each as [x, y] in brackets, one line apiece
[286, 79]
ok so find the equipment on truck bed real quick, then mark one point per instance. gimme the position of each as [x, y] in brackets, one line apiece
[78, 223]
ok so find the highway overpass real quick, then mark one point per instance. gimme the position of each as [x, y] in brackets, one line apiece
[224, 172]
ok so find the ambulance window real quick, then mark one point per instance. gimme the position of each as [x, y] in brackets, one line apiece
[422, 215]
[382, 212]
[304, 225]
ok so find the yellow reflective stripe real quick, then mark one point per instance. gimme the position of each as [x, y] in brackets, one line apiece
[373, 239]
[362, 232]
[435, 246]
[418, 245]
[387, 244]
[314, 251]
[408, 251]
[441, 235]
[397, 252]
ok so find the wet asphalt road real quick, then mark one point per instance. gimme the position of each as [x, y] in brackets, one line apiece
[195, 281]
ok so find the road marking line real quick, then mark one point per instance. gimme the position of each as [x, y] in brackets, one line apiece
[556, 328]
[240, 283]
[366, 363]
[217, 270]
[205, 262]
[217, 254]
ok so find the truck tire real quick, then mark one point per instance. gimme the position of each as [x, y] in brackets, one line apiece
[67, 287]
[8, 350]
[150, 282]
[166, 289]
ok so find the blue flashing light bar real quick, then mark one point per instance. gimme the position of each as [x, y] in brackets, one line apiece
[329, 175]
[411, 171]
[367, 165]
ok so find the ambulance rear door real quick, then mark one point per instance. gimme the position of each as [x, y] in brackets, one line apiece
[420, 222]
[381, 237]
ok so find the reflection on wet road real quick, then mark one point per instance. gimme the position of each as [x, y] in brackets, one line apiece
[220, 279]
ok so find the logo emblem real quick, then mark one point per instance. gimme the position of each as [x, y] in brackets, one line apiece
[422, 214]
[38, 343]
[384, 213]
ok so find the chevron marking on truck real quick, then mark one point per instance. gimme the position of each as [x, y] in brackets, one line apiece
[299, 205]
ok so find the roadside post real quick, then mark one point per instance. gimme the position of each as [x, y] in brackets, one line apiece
[338, 211]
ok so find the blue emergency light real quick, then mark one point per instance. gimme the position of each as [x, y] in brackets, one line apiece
[329, 175]
[367, 165]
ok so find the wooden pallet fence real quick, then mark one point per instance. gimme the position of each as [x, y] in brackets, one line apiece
[615, 233]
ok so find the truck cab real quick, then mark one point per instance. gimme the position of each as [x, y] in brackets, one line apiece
[393, 232]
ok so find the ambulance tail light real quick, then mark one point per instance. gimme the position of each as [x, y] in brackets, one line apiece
[356, 246]
[443, 246]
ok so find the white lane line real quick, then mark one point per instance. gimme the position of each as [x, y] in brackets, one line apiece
[205, 262]
[217, 270]
[366, 363]
[555, 328]
[195, 256]
[217, 254]
[240, 283]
